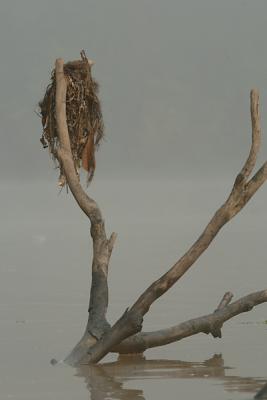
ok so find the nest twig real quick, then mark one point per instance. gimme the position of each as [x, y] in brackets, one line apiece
[84, 116]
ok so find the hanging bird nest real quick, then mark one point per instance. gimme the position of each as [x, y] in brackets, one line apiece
[84, 116]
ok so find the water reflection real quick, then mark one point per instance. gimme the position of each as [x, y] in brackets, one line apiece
[106, 381]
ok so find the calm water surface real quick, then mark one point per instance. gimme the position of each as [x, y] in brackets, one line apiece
[45, 278]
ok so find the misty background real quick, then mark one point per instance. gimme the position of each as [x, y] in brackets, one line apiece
[175, 78]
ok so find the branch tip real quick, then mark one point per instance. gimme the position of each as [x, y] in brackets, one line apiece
[59, 64]
[225, 301]
[111, 241]
[256, 134]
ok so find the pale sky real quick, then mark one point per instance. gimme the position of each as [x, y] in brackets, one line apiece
[174, 77]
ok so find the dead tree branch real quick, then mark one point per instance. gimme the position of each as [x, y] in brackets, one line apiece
[209, 324]
[102, 246]
[123, 337]
[243, 189]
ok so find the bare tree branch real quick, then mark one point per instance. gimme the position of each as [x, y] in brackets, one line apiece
[102, 246]
[208, 324]
[211, 323]
[121, 337]
[225, 301]
[256, 134]
[131, 321]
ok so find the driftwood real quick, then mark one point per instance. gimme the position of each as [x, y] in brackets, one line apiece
[125, 335]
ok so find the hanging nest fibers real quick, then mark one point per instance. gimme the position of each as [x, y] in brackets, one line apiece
[84, 116]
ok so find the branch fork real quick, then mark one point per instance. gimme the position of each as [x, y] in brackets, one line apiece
[125, 335]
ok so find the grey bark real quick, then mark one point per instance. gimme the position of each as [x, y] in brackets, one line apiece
[99, 339]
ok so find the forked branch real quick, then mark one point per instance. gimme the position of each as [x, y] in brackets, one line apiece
[131, 321]
[102, 246]
[209, 324]
[243, 189]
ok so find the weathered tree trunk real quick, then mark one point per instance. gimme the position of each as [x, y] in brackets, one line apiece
[124, 336]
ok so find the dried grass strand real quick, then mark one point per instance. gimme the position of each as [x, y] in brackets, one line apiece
[84, 116]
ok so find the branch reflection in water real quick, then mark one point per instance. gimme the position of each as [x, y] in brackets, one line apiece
[105, 381]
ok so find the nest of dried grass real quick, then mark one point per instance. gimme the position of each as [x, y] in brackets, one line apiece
[84, 116]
